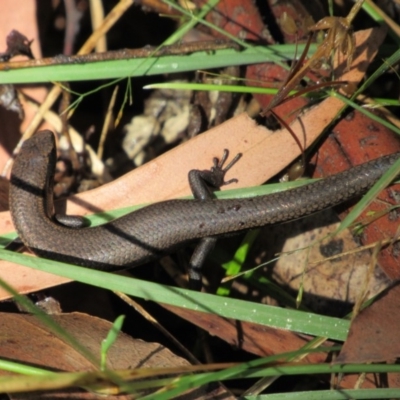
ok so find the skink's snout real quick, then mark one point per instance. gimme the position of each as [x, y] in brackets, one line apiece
[42, 144]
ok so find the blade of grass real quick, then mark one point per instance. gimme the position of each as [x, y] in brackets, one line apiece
[178, 385]
[245, 371]
[18, 368]
[234, 267]
[193, 21]
[382, 183]
[264, 49]
[381, 18]
[384, 67]
[145, 66]
[298, 321]
[338, 394]
[366, 112]
[211, 87]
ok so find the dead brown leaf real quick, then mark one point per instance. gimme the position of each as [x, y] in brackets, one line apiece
[374, 333]
[27, 340]
[254, 338]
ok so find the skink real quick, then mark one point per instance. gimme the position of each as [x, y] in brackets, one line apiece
[160, 228]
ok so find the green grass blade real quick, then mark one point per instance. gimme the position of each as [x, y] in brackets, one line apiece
[181, 31]
[113, 69]
[247, 370]
[298, 321]
[342, 394]
[211, 87]
[382, 183]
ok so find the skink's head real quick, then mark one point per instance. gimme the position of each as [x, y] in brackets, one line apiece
[35, 163]
[40, 145]
[38, 153]
[31, 182]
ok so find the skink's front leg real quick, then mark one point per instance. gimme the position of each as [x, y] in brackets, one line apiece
[203, 184]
